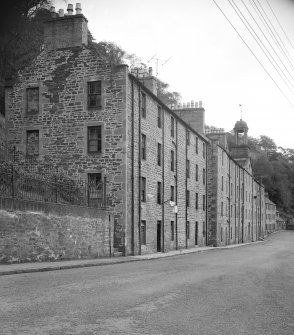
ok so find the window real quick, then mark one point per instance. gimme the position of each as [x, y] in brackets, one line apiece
[94, 94]
[32, 100]
[143, 146]
[197, 174]
[143, 232]
[188, 137]
[33, 142]
[172, 231]
[158, 154]
[221, 234]
[203, 177]
[2, 101]
[187, 198]
[172, 160]
[222, 209]
[172, 126]
[143, 105]
[196, 145]
[159, 116]
[95, 188]
[143, 189]
[188, 168]
[159, 192]
[203, 151]
[222, 158]
[196, 233]
[222, 183]
[196, 200]
[203, 202]
[172, 193]
[188, 229]
[95, 139]
[203, 229]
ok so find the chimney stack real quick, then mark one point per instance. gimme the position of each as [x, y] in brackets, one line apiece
[150, 81]
[66, 31]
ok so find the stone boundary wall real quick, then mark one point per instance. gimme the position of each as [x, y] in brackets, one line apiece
[32, 231]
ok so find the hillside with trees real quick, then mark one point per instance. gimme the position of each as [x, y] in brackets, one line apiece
[274, 167]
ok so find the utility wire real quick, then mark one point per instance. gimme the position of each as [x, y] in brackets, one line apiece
[280, 25]
[268, 39]
[261, 16]
[263, 67]
[272, 25]
[263, 48]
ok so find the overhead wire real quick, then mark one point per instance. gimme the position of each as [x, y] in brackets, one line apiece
[267, 26]
[272, 47]
[254, 55]
[280, 25]
[263, 48]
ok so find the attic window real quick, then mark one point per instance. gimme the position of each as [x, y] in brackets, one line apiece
[32, 100]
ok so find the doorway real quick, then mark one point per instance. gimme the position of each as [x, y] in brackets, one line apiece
[196, 233]
[158, 236]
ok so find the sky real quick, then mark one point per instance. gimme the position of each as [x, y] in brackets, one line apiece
[201, 56]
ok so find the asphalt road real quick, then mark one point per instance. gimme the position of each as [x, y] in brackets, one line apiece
[246, 290]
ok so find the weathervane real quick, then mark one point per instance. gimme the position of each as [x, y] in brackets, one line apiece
[241, 110]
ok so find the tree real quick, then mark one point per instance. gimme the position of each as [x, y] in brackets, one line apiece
[166, 96]
[266, 143]
[21, 36]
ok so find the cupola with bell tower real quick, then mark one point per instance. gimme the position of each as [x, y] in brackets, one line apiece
[240, 149]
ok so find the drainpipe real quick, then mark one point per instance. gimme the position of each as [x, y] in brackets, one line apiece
[235, 202]
[243, 196]
[186, 186]
[132, 173]
[162, 198]
[260, 207]
[229, 202]
[176, 195]
[252, 214]
[139, 175]
[206, 197]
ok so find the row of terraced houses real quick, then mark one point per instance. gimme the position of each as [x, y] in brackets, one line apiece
[171, 182]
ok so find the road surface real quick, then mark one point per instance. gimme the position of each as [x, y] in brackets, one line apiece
[244, 290]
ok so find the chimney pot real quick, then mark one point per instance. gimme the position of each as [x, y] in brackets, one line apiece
[188, 104]
[52, 11]
[61, 12]
[150, 71]
[69, 9]
[78, 8]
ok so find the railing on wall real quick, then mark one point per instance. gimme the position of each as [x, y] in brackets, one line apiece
[23, 178]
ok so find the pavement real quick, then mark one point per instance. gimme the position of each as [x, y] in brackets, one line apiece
[19, 268]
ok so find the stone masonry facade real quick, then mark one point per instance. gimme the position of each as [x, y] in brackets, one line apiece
[169, 186]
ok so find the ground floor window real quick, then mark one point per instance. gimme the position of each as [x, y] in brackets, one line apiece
[95, 186]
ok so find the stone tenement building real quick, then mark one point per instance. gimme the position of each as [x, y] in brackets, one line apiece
[270, 214]
[236, 205]
[169, 186]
